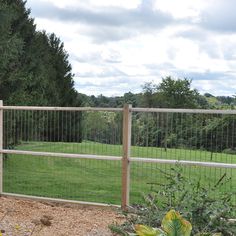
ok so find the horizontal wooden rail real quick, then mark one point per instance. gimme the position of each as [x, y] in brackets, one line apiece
[34, 108]
[182, 162]
[193, 111]
[109, 109]
[117, 158]
[48, 199]
[64, 155]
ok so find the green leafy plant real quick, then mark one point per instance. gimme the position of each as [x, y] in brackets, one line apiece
[173, 224]
[208, 212]
[144, 230]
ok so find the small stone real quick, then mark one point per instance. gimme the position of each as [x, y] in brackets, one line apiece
[45, 221]
[48, 217]
[36, 221]
[3, 231]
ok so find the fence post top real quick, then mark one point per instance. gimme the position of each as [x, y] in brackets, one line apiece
[127, 106]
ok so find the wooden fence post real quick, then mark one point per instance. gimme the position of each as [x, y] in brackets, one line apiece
[127, 123]
[1, 146]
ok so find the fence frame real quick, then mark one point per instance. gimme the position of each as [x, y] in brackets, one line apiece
[1, 146]
[125, 159]
[127, 123]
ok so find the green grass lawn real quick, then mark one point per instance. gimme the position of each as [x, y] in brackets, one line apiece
[100, 181]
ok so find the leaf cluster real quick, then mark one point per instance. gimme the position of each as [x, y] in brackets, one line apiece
[34, 66]
[206, 211]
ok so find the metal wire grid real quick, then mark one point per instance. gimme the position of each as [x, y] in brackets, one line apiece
[182, 136]
[196, 137]
[63, 132]
[151, 177]
[179, 136]
[83, 180]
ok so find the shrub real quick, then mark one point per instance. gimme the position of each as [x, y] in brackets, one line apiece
[230, 151]
[172, 224]
[206, 210]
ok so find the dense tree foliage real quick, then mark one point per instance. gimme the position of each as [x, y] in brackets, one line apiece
[200, 131]
[170, 93]
[34, 67]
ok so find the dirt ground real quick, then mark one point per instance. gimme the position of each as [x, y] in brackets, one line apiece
[32, 218]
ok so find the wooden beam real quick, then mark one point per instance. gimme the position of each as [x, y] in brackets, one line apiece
[190, 111]
[127, 122]
[183, 162]
[1, 146]
[64, 155]
[47, 199]
[34, 108]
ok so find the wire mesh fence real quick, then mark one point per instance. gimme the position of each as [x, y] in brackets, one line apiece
[53, 177]
[182, 136]
[83, 132]
[63, 131]
[203, 137]
[166, 135]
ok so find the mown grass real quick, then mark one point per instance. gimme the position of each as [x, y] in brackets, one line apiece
[100, 181]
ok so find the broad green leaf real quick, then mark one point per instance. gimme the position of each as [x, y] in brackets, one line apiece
[208, 234]
[160, 232]
[174, 224]
[143, 230]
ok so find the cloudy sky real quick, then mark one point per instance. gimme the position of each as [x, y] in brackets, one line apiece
[117, 45]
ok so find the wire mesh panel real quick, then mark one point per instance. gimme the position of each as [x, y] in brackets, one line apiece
[182, 136]
[72, 179]
[179, 136]
[188, 136]
[147, 178]
[63, 131]
[87, 132]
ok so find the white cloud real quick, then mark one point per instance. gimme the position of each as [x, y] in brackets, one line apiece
[116, 46]
[114, 3]
[216, 87]
[183, 8]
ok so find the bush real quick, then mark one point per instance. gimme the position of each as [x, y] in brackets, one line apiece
[206, 211]
[230, 151]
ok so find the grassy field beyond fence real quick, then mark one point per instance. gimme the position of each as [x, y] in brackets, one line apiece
[100, 181]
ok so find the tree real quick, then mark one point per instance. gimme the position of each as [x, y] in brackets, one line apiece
[170, 93]
[130, 98]
[149, 95]
[34, 68]
[177, 93]
[11, 48]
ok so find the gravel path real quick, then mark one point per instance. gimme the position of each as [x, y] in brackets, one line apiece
[32, 218]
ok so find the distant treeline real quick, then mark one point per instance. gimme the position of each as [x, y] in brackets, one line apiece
[216, 133]
[170, 93]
